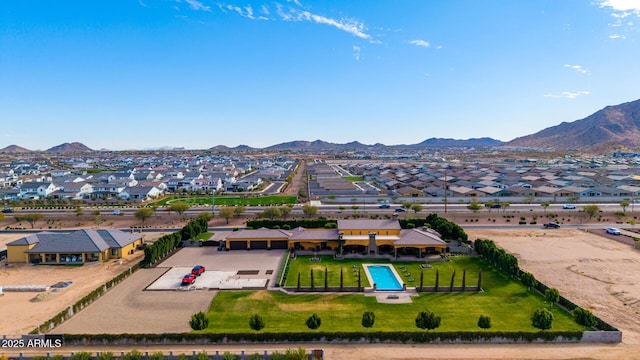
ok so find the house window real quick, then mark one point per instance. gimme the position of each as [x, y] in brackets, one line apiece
[114, 251]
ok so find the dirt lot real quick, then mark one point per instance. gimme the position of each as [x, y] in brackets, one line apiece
[30, 309]
[595, 272]
[128, 309]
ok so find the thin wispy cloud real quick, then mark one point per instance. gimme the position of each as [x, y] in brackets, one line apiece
[577, 68]
[197, 5]
[265, 10]
[356, 52]
[351, 26]
[422, 43]
[246, 11]
[567, 95]
[617, 36]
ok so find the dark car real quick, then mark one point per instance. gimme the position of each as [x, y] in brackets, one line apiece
[551, 225]
[399, 210]
[384, 206]
[496, 206]
[197, 270]
[188, 279]
[7, 210]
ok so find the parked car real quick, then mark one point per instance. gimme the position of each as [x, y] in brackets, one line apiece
[7, 210]
[613, 231]
[197, 270]
[117, 212]
[384, 206]
[496, 206]
[551, 225]
[399, 210]
[188, 279]
[569, 206]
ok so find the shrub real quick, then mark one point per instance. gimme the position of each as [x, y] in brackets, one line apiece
[256, 322]
[368, 319]
[183, 357]
[229, 356]
[199, 321]
[202, 355]
[132, 355]
[542, 319]
[584, 317]
[297, 354]
[107, 355]
[313, 322]
[83, 355]
[427, 320]
[158, 355]
[484, 322]
[255, 356]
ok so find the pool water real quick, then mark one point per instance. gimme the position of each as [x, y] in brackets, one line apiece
[384, 278]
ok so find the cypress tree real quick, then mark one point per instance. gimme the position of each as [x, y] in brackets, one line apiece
[453, 277]
[421, 278]
[326, 276]
[480, 280]
[437, 280]
[341, 280]
[464, 279]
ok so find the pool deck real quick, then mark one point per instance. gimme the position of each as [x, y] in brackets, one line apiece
[393, 297]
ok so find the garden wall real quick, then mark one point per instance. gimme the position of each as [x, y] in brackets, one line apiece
[602, 336]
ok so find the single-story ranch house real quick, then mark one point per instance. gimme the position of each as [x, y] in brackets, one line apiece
[362, 236]
[77, 246]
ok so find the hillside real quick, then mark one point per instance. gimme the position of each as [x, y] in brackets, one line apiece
[14, 149]
[70, 147]
[613, 126]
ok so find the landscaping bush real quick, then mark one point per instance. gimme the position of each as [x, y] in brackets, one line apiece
[313, 322]
[484, 322]
[427, 320]
[256, 322]
[199, 321]
[584, 317]
[542, 319]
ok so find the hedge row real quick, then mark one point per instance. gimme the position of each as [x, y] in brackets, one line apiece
[164, 245]
[370, 336]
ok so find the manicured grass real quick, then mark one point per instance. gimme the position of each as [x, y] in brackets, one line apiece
[507, 302]
[353, 178]
[204, 236]
[229, 200]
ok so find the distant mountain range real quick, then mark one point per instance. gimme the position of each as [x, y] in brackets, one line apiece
[613, 127]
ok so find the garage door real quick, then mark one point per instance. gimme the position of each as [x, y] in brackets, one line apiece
[238, 245]
[279, 244]
[259, 244]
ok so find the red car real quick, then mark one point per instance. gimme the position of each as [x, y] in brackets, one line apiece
[188, 279]
[197, 270]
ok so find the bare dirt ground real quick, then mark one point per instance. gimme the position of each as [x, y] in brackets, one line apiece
[27, 310]
[128, 309]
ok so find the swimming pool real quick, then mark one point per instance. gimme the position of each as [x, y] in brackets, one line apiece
[384, 277]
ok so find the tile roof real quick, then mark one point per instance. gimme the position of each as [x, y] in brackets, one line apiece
[77, 241]
[364, 224]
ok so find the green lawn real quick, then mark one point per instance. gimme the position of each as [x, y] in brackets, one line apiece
[203, 236]
[228, 200]
[507, 302]
[353, 178]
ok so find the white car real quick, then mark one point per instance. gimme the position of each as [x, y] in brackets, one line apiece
[613, 231]
[569, 206]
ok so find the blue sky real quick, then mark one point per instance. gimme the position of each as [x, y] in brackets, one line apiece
[197, 73]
